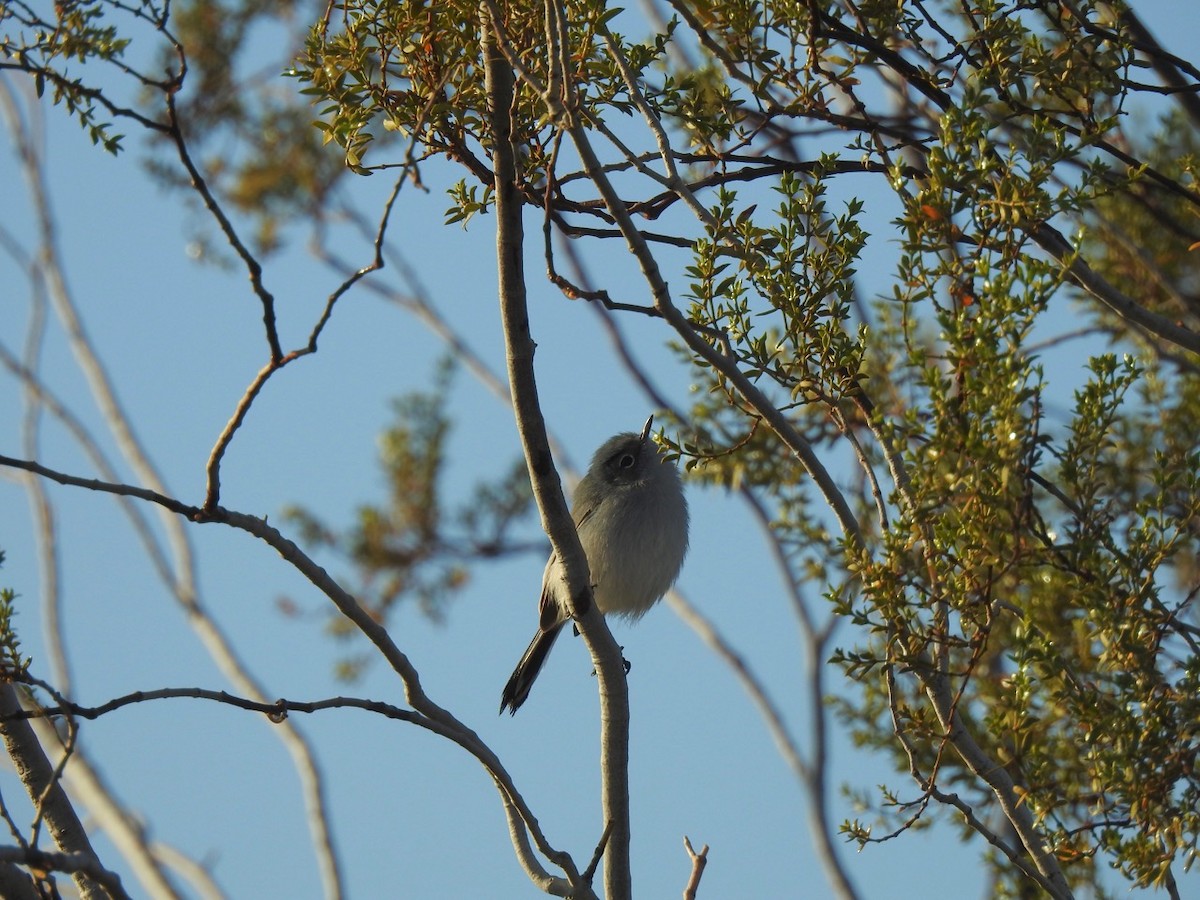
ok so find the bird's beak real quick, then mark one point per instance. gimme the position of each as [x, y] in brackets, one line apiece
[646, 429]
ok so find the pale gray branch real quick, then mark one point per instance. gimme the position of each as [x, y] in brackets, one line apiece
[547, 488]
[38, 776]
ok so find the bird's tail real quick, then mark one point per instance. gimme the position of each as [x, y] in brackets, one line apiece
[527, 669]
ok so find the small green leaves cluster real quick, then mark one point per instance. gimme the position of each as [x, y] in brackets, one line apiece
[413, 71]
[467, 201]
[13, 664]
[1042, 559]
[777, 288]
[51, 50]
[1043, 62]
[1056, 625]
[1112, 661]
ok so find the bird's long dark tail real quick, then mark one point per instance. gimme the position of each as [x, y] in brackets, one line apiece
[527, 669]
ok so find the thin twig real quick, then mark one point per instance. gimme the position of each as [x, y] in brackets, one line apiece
[598, 854]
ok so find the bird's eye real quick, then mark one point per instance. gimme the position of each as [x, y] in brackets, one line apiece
[626, 461]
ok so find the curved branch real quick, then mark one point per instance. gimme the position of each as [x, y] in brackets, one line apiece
[277, 711]
[438, 720]
[253, 267]
[1124, 306]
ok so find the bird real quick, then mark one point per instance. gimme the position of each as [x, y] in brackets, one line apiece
[632, 519]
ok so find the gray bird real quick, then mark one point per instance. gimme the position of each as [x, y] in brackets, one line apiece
[632, 520]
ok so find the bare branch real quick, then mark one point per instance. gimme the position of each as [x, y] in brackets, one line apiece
[1077, 269]
[39, 778]
[253, 267]
[699, 861]
[547, 488]
[81, 866]
[277, 711]
[433, 717]
[598, 854]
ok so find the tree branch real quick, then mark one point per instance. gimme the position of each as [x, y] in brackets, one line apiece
[81, 866]
[727, 366]
[1052, 241]
[39, 778]
[547, 488]
[434, 717]
[699, 861]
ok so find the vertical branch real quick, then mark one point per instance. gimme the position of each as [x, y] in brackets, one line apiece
[606, 655]
[38, 777]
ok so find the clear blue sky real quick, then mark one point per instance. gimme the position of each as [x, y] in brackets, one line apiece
[414, 816]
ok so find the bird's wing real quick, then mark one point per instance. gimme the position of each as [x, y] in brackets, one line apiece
[550, 614]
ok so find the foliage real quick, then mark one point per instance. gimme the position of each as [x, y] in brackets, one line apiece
[12, 662]
[52, 48]
[1036, 562]
[1019, 569]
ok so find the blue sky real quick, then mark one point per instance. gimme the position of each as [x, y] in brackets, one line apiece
[413, 816]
